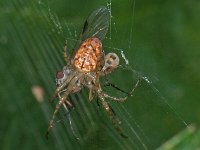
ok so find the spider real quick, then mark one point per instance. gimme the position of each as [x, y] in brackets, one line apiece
[85, 67]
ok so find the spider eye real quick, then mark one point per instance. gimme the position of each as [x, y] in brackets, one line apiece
[59, 75]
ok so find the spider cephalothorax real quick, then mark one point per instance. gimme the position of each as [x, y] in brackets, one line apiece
[86, 66]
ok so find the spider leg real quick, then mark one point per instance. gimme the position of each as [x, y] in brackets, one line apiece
[65, 54]
[135, 86]
[98, 102]
[121, 99]
[107, 83]
[58, 105]
[72, 78]
[108, 109]
[65, 104]
[116, 87]
[115, 120]
[70, 121]
[91, 94]
[55, 95]
[112, 109]
[68, 110]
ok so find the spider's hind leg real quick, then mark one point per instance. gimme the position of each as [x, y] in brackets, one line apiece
[122, 99]
[108, 83]
[115, 120]
[116, 87]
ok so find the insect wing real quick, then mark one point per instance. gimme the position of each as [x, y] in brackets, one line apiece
[96, 25]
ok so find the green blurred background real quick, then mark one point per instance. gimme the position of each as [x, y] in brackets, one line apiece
[159, 38]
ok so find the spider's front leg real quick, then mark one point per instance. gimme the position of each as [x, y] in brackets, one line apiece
[63, 96]
[62, 101]
[72, 78]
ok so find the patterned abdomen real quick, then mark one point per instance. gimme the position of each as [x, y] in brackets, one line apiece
[89, 55]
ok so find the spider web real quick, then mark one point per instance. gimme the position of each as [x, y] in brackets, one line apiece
[141, 139]
[40, 55]
[137, 129]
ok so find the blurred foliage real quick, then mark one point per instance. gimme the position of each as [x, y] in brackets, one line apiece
[159, 38]
[187, 139]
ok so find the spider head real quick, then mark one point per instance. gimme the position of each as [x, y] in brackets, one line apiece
[111, 63]
[59, 77]
[62, 75]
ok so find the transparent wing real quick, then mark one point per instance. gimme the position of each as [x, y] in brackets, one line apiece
[96, 25]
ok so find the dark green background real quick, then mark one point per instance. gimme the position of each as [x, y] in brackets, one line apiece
[160, 39]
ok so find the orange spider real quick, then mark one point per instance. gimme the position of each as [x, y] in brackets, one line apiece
[87, 65]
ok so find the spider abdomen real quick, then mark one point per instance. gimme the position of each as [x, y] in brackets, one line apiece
[88, 55]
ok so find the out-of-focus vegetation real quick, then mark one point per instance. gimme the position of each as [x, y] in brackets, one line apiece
[187, 139]
[159, 38]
